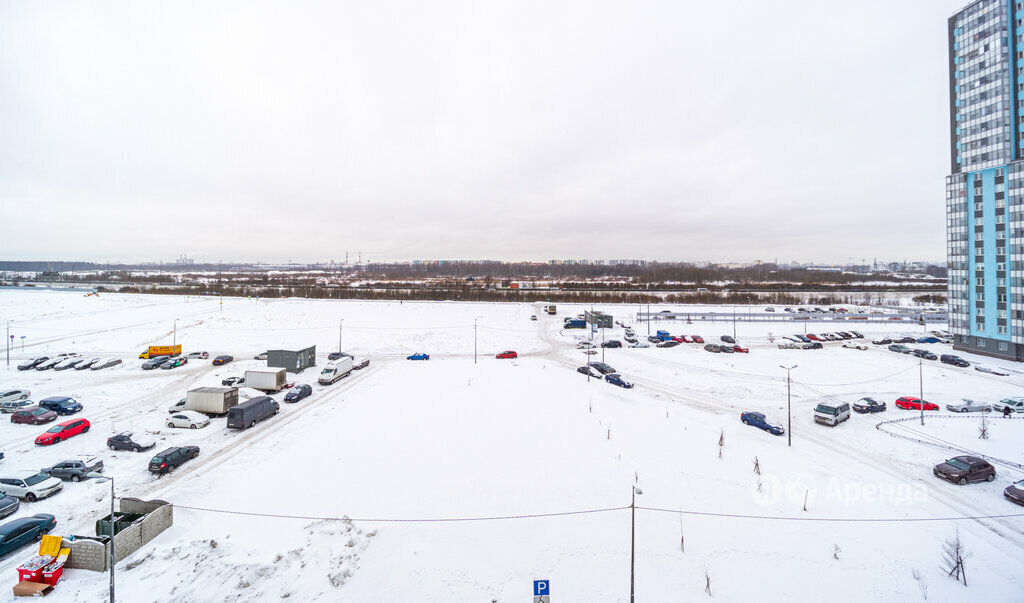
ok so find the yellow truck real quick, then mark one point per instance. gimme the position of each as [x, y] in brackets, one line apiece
[161, 350]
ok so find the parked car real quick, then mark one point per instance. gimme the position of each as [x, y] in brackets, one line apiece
[130, 441]
[653, 339]
[868, 405]
[616, 379]
[1014, 492]
[418, 356]
[954, 360]
[740, 349]
[153, 363]
[897, 347]
[507, 354]
[25, 530]
[964, 469]
[912, 403]
[62, 431]
[854, 345]
[787, 309]
[198, 355]
[968, 405]
[727, 339]
[11, 395]
[87, 364]
[854, 333]
[790, 346]
[260, 356]
[590, 371]
[32, 363]
[233, 381]
[9, 505]
[188, 419]
[713, 348]
[49, 364]
[585, 345]
[640, 344]
[668, 344]
[612, 343]
[62, 405]
[109, 362]
[697, 338]
[602, 367]
[172, 458]
[68, 363]
[758, 420]
[33, 415]
[882, 341]
[174, 363]
[29, 485]
[905, 340]
[533, 317]
[925, 354]
[75, 469]
[928, 339]
[298, 392]
[726, 349]
[814, 345]
[358, 367]
[991, 371]
[222, 359]
[1014, 404]
[831, 413]
[14, 405]
[813, 337]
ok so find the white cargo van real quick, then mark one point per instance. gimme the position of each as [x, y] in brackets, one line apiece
[831, 413]
[335, 370]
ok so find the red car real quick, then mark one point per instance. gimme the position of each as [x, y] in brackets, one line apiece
[697, 339]
[507, 354]
[912, 403]
[62, 431]
[814, 337]
[680, 339]
[737, 348]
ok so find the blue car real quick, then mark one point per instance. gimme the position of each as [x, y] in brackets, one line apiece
[928, 340]
[758, 420]
[616, 379]
[298, 392]
[16, 534]
[418, 356]
[62, 405]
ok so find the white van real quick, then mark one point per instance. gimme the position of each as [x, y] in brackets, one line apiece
[335, 370]
[831, 413]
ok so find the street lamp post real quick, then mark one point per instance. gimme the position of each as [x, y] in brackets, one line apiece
[7, 342]
[103, 478]
[340, 325]
[174, 342]
[920, 376]
[632, 547]
[789, 404]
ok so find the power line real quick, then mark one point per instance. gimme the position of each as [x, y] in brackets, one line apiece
[605, 510]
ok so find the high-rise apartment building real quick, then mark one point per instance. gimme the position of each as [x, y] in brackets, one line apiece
[985, 188]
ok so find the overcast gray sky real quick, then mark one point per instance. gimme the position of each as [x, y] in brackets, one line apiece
[273, 131]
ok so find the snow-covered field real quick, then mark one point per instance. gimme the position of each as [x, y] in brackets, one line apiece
[259, 515]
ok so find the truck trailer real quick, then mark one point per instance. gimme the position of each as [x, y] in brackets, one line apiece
[161, 350]
[575, 323]
[335, 370]
[211, 400]
[268, 379]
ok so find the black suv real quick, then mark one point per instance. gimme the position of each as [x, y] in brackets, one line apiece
[128, 441]
[614, 343]
[954, 360]
[172, 458]
[925, 354]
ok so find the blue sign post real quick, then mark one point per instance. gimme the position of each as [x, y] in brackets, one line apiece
[541, 591]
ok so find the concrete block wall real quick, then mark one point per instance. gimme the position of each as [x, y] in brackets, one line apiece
[95, 555]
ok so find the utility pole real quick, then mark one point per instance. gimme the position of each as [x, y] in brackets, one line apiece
[789, 404]
[602, 345]
[174, 343]
[7, 342]
[340, 325]
[920, 374]
[648, 319]
[734, 322]
[632, 547]
[474, 340]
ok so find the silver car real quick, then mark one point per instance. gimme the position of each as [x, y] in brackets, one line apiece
[14, 394]
[968, 405]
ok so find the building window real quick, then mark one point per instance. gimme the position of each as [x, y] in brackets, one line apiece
[980, 342]
[1002, 329]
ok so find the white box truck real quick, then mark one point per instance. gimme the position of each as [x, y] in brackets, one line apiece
[267, 380]
[211, 400]
[335, 370]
